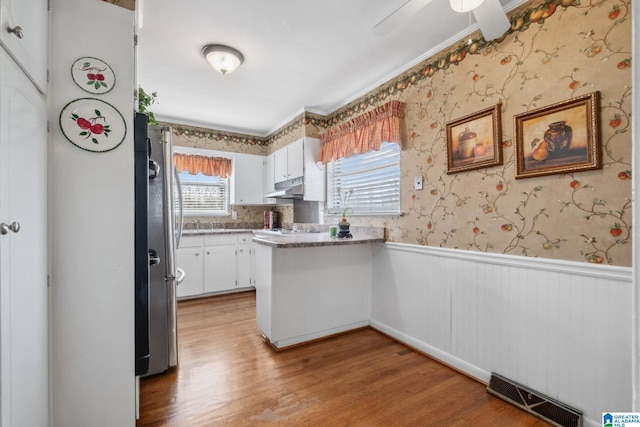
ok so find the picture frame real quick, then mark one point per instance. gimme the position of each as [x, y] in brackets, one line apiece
[560, 138]
[475, 141]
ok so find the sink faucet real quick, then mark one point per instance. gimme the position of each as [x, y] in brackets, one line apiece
[197, 223]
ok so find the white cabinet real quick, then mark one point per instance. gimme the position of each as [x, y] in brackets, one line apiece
[23, 248]
[315, 175]
[190, 258]
[247, 179]
[269, 178]
[289, 161]
[246, 261]
[215, 263]
[300, 159]
[220, 263]
[25, 28]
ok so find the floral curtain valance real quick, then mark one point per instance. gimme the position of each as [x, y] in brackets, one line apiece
[363, 133]
[210, 166]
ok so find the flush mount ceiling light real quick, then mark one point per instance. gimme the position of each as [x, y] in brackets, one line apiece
[222, 58]
[492, 20]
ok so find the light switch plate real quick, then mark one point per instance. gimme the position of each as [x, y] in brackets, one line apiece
[417, 183]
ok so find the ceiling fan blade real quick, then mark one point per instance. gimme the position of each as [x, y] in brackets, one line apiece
[397, 17]
[492, 19]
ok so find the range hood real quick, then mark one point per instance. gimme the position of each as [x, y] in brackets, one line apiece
[290, 189]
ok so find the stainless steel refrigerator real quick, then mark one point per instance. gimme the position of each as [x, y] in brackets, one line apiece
[164, 220]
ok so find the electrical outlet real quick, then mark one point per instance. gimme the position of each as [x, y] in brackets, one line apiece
[417, 183]
[234, 214]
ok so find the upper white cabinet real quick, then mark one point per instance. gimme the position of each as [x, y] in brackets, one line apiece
[247, 180]
[289, 162]
[269, 179]
[315, 175]
[24, 33]
[300, 159]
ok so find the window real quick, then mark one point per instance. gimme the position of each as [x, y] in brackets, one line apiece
[373, 179]
[204, 195]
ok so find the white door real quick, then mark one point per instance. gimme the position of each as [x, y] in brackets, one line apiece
[23, 251]
[25, 28]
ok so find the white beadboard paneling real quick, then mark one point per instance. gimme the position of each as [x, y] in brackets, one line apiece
[561, 328]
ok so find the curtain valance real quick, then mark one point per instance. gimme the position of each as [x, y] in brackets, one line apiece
[210, 166]
[363, 133]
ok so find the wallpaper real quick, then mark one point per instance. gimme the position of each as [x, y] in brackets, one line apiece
[555, 51]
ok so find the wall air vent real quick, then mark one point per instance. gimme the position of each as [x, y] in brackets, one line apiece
[546, 408]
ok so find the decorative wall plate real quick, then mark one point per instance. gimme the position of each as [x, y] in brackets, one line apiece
[92, 124]
[93, 75]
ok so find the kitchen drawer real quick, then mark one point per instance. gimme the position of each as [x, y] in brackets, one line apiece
[245, 239]
[191, 241]
[226, 239]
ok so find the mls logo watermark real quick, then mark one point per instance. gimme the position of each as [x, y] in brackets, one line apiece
[620, 419]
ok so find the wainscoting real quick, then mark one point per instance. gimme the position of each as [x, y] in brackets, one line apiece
[561, 328]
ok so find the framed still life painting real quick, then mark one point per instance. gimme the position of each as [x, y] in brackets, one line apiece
[559, 138]
[474, 141]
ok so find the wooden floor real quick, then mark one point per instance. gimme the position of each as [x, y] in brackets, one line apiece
[228, 376]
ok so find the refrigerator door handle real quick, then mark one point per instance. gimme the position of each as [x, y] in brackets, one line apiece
[180, 277]
[154, 169]
[154, 259]
[180, 223]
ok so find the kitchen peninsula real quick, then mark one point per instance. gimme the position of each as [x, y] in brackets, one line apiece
[310, 286]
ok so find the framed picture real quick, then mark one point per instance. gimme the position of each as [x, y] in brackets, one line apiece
[474, 141]
[559, 138]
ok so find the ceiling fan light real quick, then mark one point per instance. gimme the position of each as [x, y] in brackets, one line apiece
[223, 59]
[464, 5]
[492, 20]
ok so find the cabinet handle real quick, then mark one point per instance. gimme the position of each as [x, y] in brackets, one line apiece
[197, 254]
[208, 253]
[6, 228]
[17, 30]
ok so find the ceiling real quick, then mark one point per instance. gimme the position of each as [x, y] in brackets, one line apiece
[300, 56]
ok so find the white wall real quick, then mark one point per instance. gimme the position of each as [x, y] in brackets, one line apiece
[561, 328]
[92, 226]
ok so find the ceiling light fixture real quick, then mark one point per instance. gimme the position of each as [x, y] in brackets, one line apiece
[492, 20]
[222, 58]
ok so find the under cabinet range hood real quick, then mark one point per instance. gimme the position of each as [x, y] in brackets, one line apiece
[290, 189]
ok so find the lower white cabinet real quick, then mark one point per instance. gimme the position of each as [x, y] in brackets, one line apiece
[215, 263]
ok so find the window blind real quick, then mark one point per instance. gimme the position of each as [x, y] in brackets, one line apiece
[204, 195]
[372, 179]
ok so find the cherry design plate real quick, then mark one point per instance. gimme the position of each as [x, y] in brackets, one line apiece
[92, 124]
[93, 75]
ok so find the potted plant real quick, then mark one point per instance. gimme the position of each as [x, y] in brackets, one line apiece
[344, 223]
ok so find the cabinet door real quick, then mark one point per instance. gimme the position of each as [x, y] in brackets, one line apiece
[191, 260]
[269, 179]
[246, 265]
[220, 268]
[295, 159]
[280, 165]
[248, 176]
[27, 42]
[23, 250]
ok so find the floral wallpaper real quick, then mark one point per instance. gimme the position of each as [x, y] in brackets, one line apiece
[555, 50]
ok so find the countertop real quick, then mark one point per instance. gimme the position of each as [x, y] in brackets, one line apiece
[301, 240]
[297, 240]
[216, 231]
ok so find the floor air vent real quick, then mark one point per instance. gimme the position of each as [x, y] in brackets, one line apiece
[550, 410]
